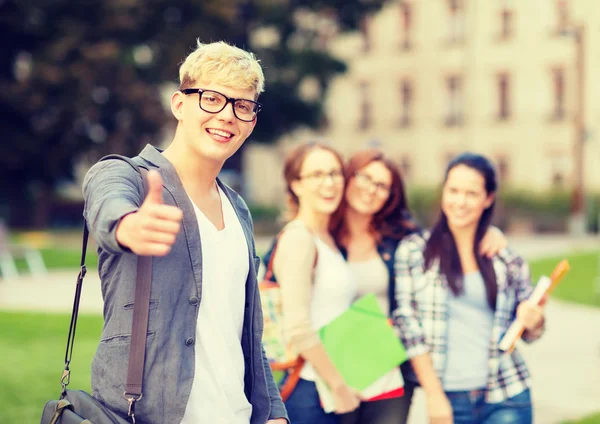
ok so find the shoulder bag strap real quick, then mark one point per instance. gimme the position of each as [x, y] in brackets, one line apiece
[139, 328]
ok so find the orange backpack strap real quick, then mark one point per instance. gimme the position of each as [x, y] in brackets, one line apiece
[292, 380]
[294, 369]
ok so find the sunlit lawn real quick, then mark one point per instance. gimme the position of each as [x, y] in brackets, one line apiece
[32, 355]
[61, 258]
[580, 285]
[32, 345]
[592, 419]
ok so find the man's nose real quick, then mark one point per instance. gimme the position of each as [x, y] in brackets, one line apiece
[227, 113]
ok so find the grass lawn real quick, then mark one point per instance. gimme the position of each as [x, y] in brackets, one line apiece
[32, 345]
[592, 419]
[580, 284]
[57, 258]
[33, 351]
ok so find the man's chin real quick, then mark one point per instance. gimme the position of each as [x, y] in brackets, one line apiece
[220, 151]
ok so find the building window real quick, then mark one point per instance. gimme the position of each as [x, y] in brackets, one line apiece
[558, 83]
[502, 168]
[365, 106]
[506, 23]
[405, 166]
[406, 21]
[406, 99]
[503, 81]
[562, 16]
[365, 31]
[454, 112]
[456, 21]
[558, 180]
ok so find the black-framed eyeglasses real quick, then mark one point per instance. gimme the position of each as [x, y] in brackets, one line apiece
[365, 181]
[214, 102]
[319, 177]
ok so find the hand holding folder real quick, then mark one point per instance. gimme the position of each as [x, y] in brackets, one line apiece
[365, 349]
[362, 343]
[543, 288]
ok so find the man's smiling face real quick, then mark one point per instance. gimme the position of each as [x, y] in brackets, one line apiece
[214, 136]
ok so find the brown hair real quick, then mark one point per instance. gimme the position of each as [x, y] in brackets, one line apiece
[291, 172]
[441, 244]
[393, 220]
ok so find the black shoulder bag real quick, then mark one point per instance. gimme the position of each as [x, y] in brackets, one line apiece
[77, 406]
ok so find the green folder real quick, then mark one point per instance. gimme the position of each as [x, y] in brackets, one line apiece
[362, 344]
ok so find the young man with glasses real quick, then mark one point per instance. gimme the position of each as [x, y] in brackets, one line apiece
[204, 360]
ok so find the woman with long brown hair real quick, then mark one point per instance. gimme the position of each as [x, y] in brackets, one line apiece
[454, 305]
[315, 282]
[376, 219]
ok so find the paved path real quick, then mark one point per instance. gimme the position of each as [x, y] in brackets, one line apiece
[565, 363]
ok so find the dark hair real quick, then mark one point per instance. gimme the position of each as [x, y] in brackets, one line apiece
[393, 220]
[441, 244]
[291, 172]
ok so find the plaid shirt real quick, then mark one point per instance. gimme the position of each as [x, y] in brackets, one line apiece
[422, 315]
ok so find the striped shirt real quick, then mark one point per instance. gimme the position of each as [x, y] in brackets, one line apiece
[422, 315]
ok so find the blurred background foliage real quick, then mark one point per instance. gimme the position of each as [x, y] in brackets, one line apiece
[81, 79]
[515, 211]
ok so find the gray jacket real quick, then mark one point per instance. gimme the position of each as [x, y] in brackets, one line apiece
[112, 189]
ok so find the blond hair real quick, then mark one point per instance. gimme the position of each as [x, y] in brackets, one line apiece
[224, 64]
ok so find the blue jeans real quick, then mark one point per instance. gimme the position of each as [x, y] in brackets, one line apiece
[470, 407]
[304, 407]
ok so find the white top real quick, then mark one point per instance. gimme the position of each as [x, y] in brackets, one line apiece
[217, 394]
[333, 291]
[372, 276]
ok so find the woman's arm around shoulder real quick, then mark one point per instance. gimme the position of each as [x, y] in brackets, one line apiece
[408, 267]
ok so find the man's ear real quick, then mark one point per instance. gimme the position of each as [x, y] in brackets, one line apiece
[253, 124]
[177, 105]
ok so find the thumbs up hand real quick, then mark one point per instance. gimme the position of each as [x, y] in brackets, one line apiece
[153, 228]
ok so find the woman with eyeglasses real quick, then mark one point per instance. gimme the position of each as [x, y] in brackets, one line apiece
[376, 219]
[454, 304]
[316, 283]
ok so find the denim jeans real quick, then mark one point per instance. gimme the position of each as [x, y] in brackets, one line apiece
[304, 407]
[470, 407]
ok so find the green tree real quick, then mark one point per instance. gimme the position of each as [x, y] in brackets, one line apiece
[82, 79]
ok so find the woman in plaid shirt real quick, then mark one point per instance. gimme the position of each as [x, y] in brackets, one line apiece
[376, 219]
[454, 306]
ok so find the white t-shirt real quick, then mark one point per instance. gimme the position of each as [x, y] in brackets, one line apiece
[334, 290]
[372, 276]
[217, 394]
